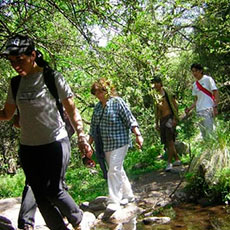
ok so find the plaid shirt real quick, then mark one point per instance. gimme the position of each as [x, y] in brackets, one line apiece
[116, 123]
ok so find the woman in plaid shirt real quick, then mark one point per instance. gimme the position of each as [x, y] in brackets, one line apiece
[115, 122]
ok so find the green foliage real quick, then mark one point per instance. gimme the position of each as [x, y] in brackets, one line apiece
[196, 186]
[137, 161]
[223, 187]
[84, 184]
[12, 186]
[219, 192]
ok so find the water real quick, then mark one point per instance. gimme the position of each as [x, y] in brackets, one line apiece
[183, 217]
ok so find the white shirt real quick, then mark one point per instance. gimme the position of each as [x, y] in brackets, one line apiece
[203, 100]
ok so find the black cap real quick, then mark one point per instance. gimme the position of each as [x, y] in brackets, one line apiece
[19, 44]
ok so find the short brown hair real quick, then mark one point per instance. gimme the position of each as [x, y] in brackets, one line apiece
[105, 85]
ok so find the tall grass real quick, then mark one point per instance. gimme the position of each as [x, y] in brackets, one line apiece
[213, 181]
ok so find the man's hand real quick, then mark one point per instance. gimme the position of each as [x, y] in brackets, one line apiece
[85, 148]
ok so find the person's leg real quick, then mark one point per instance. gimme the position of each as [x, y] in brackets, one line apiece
[172, 153]
[127, 192]
[206, 123]
[116, 174]
[55, 191]
[170, 137]
[27, 209]
[201, 125]
[36, 167]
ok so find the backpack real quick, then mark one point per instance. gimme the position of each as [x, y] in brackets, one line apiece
[49, 80]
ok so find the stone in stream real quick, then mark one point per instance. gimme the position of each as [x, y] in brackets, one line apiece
[156, 220]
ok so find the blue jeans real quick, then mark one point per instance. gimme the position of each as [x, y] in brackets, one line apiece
[45, 168]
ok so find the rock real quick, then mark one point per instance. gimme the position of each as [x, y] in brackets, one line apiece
[151, 201]
[156, 220]
[162, 202]
[88, 221]
[122, 215]
[5, 220]
[84, 206]
[180, 196]
[98, 204]
[181, 148]
[5, 224]
[208, 164]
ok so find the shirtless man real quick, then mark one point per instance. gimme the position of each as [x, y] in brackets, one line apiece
[166, 120]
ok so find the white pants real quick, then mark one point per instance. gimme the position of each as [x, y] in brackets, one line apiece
[207, 122]
[118, 183]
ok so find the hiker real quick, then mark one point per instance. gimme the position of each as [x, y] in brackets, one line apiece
[166, 112]
[206, 99]
[44, 143]
[113, 121]
[26, 216]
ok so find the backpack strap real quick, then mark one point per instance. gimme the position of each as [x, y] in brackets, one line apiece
[15, 81]
[49, 80]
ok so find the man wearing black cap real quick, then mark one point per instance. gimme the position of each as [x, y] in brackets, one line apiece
[166, 120]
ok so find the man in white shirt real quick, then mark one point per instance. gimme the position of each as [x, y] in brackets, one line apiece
[206, 99]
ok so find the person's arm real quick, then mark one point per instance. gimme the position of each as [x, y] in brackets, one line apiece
[187, 110]
[157, 118]
[175, 105]
[7, 112]
[216, 102]
[76, 121]
[216, 97]
[139, 138]
[130, 121]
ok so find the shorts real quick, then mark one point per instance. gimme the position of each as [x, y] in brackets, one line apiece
[167, 130]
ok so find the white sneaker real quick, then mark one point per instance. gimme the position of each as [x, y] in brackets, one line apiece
[169, 167]
[124, 201]
[177, 163]
[113, 207]
[127, 200]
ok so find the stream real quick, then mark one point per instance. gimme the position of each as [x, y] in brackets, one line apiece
[184, 217]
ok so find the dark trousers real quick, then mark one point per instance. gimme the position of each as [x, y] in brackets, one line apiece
[45, 168]
[28, 208]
